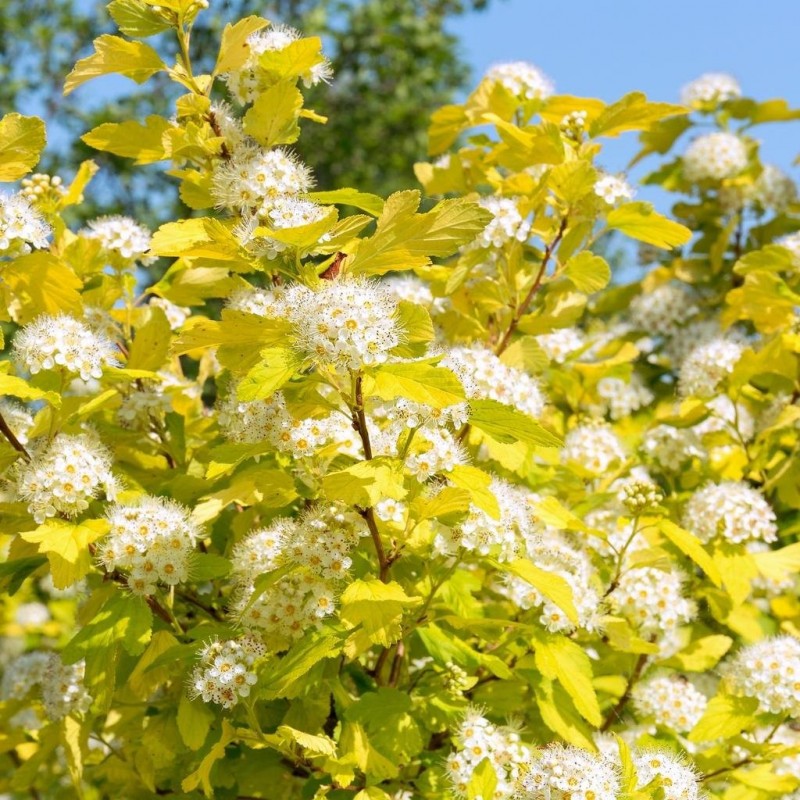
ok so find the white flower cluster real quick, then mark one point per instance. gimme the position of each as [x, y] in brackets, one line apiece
[715, 156]
[413, 290]
[652, 600]
[18, 418]
[564, 772]
[225, 673]
[479, 739]
[63, 691]
[620, 398]
[612, 189]
[678, 779]
[523, 80]
[268, 303]
[550, 551]
[508, 224]
[731, 510]
[249, 80]
[792, 243]
[138, 409]
[707, 366]
[152, 540]
[768, 670]
[22, 674]
[21, 226]
[403, 414]
[391, 511]
[561, 343]
[594, 446]
[671, 701]
[61, 341]
[122, 236]
[485, 377]
[176, 315]
[64, 476]
[482, 533]
[346, 323]
[774, 189]
[663, 311]
[711, 88]
[284, 212]
[435, 451]
[317, 547]
[670, 448]
[250, 422]
[728, 417]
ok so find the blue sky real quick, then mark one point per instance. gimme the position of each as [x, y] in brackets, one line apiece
[606, 48]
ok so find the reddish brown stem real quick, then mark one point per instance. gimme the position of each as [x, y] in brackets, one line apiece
[12, 439]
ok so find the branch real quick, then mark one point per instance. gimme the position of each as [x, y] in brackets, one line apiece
[13, 441]
[616, 712]
[522, 308]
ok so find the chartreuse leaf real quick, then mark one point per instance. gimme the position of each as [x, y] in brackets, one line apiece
[417, 327]
[272, 119]
[445, 647]
[482, 782]
[194, 721]
[113, 54]
[42, 284]
[14, 572]
[234, 50]
[366, 483]
[201, 777]
[690, 545]
[763, 777]
[22, 140]
[423, 383]
[477, 483]
[701, 655]
[559, 714]
[405, 239]
[370, 203]
[151, 342]
[66, 545]
[632, 113]
[587, 272]
[236, 328]
[293, 61]
[507, 425]
[559, 658]
[376, 609]
[448, 506]
[552, 513]
[552, 586]
[627, 769]
[774, 565]
[145, 143]
[725, 716]
[199, 237]
[312, 745]
[275, 367]
[18, 387]
[640, 221]
[136, 19]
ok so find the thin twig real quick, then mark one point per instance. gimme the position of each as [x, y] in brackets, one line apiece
[13, 441]
[616, 712]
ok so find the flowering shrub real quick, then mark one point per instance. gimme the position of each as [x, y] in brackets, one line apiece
[400, 503]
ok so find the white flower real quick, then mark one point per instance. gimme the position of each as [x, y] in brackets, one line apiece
[711, 88]
[508, 224]
[122, 236]
[619, 398]
[18, 418]
[151, 540]
[678, 780]
[21, 226]
[612, 189]
[138, 409]
[594, 445]
[435, 451]
[768, 670]
[390, 510]
[663, 311]
[262, 302]
[32, 615]
[792, 243]
[564, 772]
[250, 422]
[23, 674]
[707, 366]
[715, 156]
[731, 510]
[65, 476]
[485, 377]
[63, 691]
[672, 701]
[561, 343]
[413, 290]
[61, 341]
[225, 673]
[523, 80]
[176, 315]
[347, 322]
[774, 189]
[672, 447]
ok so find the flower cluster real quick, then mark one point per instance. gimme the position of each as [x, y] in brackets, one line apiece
[768, 670]
[594, 446]
[479, 739]
[663, 311]
[61, 341]
[612, 189]
[63, 691]
[123, 237]
[678, 779]
[507, 225]
[151, 540]
[562, 343]
[707, 366]
[521, 79]
[564, 772]
[18, 419]
[21, 226]
[712, 88]
[715, 157]
[225, 673]
[620, 399]
[731, 510]
[671, 701]
[671, 448]
[64, 476]
[485, 377]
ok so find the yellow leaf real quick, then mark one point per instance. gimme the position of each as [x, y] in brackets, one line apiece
[234, 50]
[552, 586]
[151, 343]
[777, 565]
[587, 272]
[113, 54]
[22, 140]
[366, 483]
[294, 60]
[640, 221]
[690, 545]
[130, 139]
[701, 655]
[272, 119]
[477, 483]
[632, 113]
[42, 284]
[377, 608]
[725, 716]
[423, 383]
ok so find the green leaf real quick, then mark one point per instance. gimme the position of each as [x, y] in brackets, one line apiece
[423, 383]
[22, 140]
[13, 573]
[417, 327]
[640, 221]
[690, 545]
[272, 119]
[194, 722]
[477, 483]
[202, 775]
[725, 716]
[151, 343]
[507, 425]
[701, 655]
[135, 19]
[587, 272]
[145, 143]
[447, 647]
[377, 608]
[276, 366]
[312, 745]
[483, 781]
[552, 586]
[632, 113]
[113, 54]
[366, 483]
[370, 203]
[294, 60]
[208, 566]
[404, 239]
